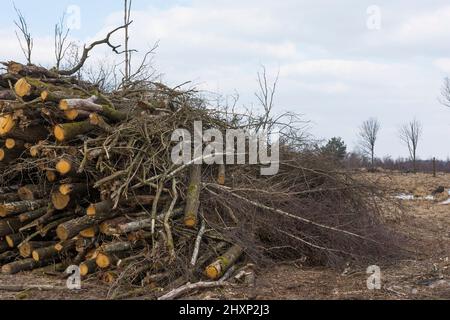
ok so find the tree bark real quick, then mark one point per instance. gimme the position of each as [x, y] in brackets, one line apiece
[218, 268]
[69, 131]
[13, 208]
[44, 253]
[71, 228]
[27, 248]
[9, 226]
[32, 192]
[193, 196]
[88, 267]
[24, 265]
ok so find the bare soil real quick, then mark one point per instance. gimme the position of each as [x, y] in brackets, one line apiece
[426, 275]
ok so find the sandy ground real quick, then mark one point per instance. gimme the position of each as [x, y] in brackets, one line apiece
[426, 275]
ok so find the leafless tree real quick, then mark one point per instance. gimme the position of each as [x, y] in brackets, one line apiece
[26, 44]
[265, 96]
[410, 134]
[126, 22]
[368, 134]
[61, 45]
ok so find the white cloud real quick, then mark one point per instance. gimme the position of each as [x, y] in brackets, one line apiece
[443, 64]
[332, 68]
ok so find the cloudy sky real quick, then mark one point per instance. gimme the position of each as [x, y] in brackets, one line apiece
[340, 62]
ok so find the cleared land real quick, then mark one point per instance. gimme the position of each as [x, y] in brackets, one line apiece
[425, 275]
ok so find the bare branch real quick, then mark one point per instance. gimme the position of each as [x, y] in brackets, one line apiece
[61, 34]
[87, 49]
[27, 47]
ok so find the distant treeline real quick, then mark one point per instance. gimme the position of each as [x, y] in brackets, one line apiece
[355, 161]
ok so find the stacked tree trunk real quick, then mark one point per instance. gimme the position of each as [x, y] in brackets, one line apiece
[67, 197]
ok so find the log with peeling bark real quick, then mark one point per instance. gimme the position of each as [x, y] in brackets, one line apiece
[24, 265]
[218, 268]
[69, 131]
[65, 246]
[67, 167]
[11, 143]
[14, 208]
[193, 196]
[73, 188]
[88, 267]
[33, 192]
[28, 87]
[89, 105]
[109, 227]
[9, 226]
[44, 253]
[16, 68]
[27, 248]
[8, 257]
[32, 215]
[110, 259]
[100, 209]
[71, 228]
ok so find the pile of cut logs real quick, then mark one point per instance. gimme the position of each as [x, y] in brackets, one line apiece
[77, 190]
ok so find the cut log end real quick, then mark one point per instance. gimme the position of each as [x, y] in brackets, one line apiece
[88, 267]
[7, 269]
[35, 255]
[190, 222]
[10, 143]
[62, 233]
[58, 131]
[95, 119]
[103, 261]
[109, 277]
[63, 105]
[60, 201]
[90, 211]
[212, 272]
[44, 95]
[71, 114]
[7, 123]
[65, 189]
[25, 250]
[63, 166]
[22, 88]
[2, 154]
[10, 241]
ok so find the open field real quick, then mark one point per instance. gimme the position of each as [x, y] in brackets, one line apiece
[425, 275]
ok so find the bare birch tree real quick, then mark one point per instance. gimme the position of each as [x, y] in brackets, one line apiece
[410, 134]
[368, 135]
